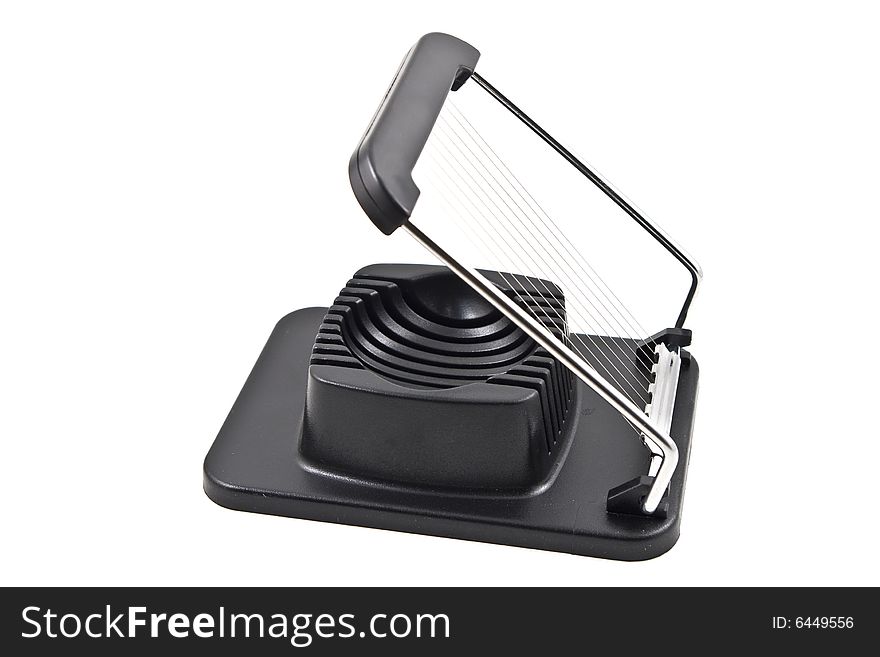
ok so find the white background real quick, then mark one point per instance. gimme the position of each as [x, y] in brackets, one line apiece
[173, 180]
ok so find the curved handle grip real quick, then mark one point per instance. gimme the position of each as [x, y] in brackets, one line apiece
[381, 168]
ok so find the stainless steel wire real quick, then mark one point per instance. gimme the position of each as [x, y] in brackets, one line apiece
[452, 198]
[572, 251]
[514, 216]
[508, 222]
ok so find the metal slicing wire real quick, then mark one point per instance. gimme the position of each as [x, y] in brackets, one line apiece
[630, 319]
[467, 228]
[534, 256]
[542, 237]
[577, 282]
[504, 277]
[619, 379]
[537, 237]
[597, 179]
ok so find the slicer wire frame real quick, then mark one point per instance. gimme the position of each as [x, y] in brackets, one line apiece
[381, 170]
[568, 357]
[652, 228]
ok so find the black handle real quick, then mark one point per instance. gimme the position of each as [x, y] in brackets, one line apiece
[381, 168]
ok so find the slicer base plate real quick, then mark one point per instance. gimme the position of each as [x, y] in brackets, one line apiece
[254, 465]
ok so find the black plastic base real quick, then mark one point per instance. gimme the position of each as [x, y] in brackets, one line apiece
[254, 465]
